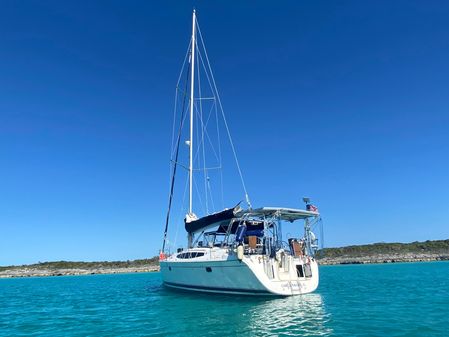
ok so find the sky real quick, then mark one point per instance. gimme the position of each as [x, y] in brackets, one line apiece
[346, 102]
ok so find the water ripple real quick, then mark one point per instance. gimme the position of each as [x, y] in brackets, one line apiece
[376, 300]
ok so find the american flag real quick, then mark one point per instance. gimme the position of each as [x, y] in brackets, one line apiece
[311, 208]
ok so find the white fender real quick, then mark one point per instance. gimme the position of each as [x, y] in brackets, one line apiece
[240, 252]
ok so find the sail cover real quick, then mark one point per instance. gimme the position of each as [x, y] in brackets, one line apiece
[215, 219]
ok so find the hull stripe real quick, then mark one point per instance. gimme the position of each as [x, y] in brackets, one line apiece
[217, 289]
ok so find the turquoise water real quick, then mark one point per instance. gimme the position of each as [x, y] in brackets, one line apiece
[361, 300]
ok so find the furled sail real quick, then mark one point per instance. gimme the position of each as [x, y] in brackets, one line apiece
[215, 219]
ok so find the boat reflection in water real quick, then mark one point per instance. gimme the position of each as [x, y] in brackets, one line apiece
[225, 315]
[304, 315]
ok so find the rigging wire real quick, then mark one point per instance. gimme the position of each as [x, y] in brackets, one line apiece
[321, 233]
[204, 134]
[219, 154]
[182, 211]
[224, 118]
[214, 108]
[200, 114]
[170, 198]
[176, 99]
[199, 195]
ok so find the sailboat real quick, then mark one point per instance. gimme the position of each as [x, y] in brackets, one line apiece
[237, 250]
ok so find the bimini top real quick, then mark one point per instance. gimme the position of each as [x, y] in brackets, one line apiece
[223, 218]
[287, 214]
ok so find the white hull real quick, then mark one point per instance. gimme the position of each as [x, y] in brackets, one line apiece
[219, 272]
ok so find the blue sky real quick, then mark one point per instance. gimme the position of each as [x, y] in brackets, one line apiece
[347, 102]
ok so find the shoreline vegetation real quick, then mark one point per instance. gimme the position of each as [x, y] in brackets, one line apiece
[437, 250]
[65, 268]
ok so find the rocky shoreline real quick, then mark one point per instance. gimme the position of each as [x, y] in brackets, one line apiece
[436, 250]
[39, 272]
[383, 258]
[36, 271]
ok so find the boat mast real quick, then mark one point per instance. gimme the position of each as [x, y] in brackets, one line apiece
[192, 87]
